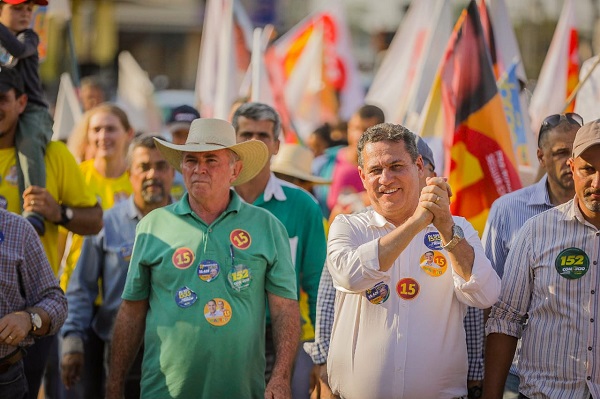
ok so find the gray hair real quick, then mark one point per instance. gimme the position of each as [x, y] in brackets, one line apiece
[388, 132]
[258, 112]
[140, 141]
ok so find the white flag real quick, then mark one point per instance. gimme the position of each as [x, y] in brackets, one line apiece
[68, 110]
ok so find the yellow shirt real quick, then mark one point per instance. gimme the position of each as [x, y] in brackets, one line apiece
[64, 182]
[109, 191]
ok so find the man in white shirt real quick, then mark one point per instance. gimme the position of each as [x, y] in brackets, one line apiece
[410, 343]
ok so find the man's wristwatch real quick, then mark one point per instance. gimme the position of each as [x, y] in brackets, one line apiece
[36, 321]
[66, 215]
[457, 235]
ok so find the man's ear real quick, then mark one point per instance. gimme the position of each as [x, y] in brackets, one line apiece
[237, 169]
[21, 103]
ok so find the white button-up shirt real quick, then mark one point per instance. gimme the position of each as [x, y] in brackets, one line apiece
[412, 344]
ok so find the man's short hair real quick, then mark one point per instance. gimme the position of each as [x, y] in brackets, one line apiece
[371, 111]
[11, 79]
[388, 132]
[141, 141]
[258, 112]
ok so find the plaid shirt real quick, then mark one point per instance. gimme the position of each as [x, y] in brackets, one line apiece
[319, 349]
[26, 278]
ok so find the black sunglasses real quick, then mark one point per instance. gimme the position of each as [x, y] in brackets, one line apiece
[554, 120]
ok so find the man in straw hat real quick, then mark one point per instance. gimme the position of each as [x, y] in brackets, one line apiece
[172, 279]
[550, 283]
[302, 218]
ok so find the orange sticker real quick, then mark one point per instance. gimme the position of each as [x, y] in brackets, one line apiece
[183, 258]
[217, 312]
[407, 288]
[433, 263]
[240, 239]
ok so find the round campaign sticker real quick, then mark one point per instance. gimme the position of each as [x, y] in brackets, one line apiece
[239, 277]
[183, 258]
[3, 202]
[217, 312]
[433, 263]
[185, 297]
[208, 270]
[240, 239]
[433, 240]
[572, 263]
[407, 288]
[378, 294]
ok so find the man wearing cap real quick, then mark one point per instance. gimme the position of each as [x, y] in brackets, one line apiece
[169, 282]
[551, 281]
[65, 200]
[300, 214]
[509, 212]
[178, 125]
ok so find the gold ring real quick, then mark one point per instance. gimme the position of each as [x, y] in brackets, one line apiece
[437, 199]
[32, 202]
[11, 338]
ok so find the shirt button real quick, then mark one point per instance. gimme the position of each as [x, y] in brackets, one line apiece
[592, 320]
[589, 378]
[210, 230]
[593, 292]
[589, 348]
[595, 262]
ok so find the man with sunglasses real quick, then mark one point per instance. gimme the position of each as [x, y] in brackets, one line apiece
[550, 285]
[511, 211]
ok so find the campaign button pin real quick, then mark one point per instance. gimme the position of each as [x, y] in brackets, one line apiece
[433, 263]
[378, 294]
[572, 263]
[183, 258]
[433, 240]
[185, 297]
[208, 270]
[407, 288]
[239, 277]
[240, 239]
[217, 312]
[126, 250]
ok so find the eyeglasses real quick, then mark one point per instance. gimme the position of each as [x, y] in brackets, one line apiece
[554, 120]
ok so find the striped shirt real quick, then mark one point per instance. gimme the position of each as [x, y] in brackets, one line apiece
[26, 278]
[560, 350]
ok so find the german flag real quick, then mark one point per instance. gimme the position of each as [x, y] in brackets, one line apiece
[465, 111]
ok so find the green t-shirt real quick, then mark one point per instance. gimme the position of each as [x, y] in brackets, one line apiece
[196, 348]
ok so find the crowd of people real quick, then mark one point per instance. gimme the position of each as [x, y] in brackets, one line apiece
[215, 261]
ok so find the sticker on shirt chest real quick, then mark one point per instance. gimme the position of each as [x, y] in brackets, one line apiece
[12, 177]
[433, 240]
[433, 263]
[240, 239]
[126, 250]
[239, 275]
[378, 294]
[407, 288]
[1, 236]
[185, 297]
[183, 258]
[572, 263]
[208, 270]
[217, 312]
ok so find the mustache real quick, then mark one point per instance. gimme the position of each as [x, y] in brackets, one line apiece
[152, 182]
[591, 192]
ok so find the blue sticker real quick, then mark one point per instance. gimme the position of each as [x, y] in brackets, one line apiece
[185, 297]
[433, 240]
[126, 250]
[378, 294]
[3, 202]
[1, 236]
[208, 270]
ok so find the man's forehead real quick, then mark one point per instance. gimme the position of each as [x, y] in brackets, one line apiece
[206, 154]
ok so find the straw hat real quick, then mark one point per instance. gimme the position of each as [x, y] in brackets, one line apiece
[295, 160]
[216, 134]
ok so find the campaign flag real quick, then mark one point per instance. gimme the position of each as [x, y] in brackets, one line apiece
[464, 113]
[559, 74]
[68, 111]
[339, 72]
[403, 80]
[588, 96]
[224, 57]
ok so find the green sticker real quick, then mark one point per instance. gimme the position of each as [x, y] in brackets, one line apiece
[572, 263]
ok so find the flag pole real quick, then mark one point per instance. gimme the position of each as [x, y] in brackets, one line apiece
[257, 53]
[581, 83]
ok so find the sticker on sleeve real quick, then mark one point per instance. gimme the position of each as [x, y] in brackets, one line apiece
[240, 239]
[3, 202]
[433, 263]
[183, 258]
[378, 294]
[185, 297]
[433, 240]
[572, 263]
[407, 288]
[126, 250]
[217, 312]
[1, 236]
[239, 277]
[208, 270]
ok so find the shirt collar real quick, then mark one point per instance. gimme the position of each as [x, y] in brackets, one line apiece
[132, 211]
[274, 189]
[182, 207]
[375, 219]
[540, 194]
[572, 212]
